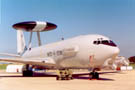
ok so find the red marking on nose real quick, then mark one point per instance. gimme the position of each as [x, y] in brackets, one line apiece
[91, 58]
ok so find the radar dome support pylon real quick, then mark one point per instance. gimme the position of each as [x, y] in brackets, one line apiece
[39, 39]
[33, 26]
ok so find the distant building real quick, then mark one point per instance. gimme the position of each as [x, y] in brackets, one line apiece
[131, 59]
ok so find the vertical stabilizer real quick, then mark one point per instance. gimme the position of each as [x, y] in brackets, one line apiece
[20, 42]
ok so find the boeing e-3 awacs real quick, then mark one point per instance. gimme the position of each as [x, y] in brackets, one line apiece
[81, 52]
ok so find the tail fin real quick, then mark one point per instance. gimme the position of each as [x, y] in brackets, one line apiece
[21, 46]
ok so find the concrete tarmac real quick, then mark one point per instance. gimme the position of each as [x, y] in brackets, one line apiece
[124, 80]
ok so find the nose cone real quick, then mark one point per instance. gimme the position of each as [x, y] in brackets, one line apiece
[115, 52]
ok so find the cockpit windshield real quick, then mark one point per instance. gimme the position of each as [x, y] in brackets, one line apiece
[105, 42]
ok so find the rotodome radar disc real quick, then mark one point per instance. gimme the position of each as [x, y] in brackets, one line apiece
[34, 26]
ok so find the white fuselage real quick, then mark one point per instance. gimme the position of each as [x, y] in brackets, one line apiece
[78, 52]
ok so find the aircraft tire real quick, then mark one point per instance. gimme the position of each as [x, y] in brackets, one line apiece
[58, 78]
[28, 73]
[95, 75]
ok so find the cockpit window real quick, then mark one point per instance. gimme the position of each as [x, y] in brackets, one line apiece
[105, 42]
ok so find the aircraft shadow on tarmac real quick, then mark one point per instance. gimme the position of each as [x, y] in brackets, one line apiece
[87, 78]
[81, 76]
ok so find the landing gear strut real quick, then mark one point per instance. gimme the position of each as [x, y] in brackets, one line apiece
[27, 71]
[64, 74]
[94, 75]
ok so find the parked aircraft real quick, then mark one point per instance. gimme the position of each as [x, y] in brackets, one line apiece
[81, 52]
[117, 63]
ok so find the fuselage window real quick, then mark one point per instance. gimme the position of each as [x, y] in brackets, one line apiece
[97, 42]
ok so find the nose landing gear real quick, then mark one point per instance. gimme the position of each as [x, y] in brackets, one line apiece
[94, 75]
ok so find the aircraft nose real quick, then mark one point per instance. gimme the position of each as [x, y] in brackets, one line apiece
[115, 51]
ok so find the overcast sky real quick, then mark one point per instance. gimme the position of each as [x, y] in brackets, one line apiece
[112, 18]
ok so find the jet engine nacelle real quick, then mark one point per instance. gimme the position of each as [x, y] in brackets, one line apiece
[34, 26]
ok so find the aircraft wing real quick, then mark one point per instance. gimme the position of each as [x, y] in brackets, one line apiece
[47, 62]
[8, 54]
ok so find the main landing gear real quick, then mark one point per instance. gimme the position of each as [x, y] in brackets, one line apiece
[64, 74]
[94, 75]
[27, 71]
